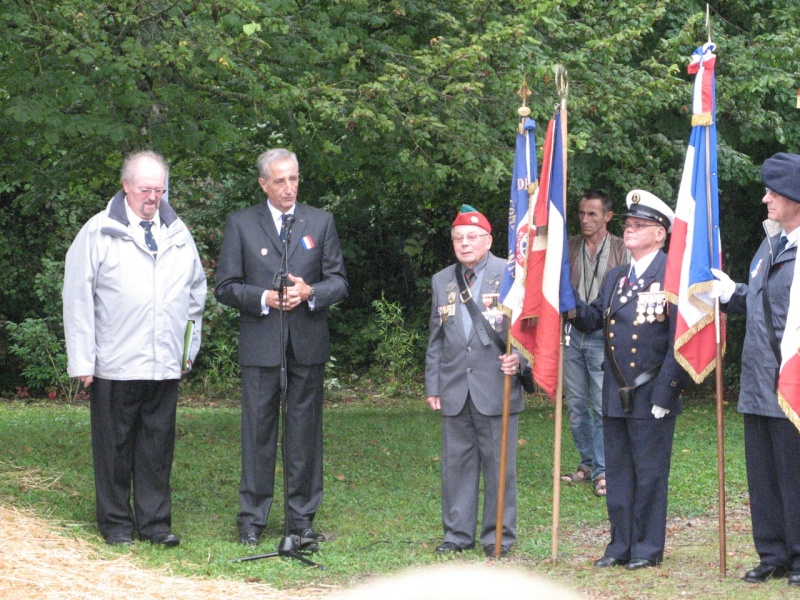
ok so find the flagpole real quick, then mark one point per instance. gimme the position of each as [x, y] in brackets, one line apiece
[718, 370]
[523, 112]
[501, 483]
[562, 89]
[718, 366]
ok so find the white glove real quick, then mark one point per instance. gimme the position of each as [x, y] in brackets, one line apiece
[658, 412]
[722, 287]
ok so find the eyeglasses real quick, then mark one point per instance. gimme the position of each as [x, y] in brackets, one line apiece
[637, 226]
[148, 191]
[470, 237]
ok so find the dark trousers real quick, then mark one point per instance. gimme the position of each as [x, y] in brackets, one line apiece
[133, 442]
[302, 460]
[638, 455]
[772, 455]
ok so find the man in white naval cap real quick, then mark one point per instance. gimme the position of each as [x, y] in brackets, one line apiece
[642, 384]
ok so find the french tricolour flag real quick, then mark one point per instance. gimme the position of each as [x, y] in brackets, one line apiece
[548, 291]
[695, 243]
[789, 379]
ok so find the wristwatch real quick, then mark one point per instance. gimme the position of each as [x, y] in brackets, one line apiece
[311, 295]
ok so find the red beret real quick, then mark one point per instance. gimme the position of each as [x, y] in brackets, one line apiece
[469, 216]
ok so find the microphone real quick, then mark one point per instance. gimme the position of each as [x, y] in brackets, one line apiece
[287, 226]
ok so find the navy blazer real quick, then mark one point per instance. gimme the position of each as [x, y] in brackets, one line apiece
[250, 257]
[636, 347]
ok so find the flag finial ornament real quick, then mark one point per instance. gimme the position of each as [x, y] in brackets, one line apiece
[524, 93]
[523, 111]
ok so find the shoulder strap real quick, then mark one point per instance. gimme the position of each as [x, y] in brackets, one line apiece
[485, 333]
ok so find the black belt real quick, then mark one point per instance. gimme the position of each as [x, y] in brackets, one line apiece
[626, 392]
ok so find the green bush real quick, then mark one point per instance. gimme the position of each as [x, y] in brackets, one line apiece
[396, 359]
[44, 358]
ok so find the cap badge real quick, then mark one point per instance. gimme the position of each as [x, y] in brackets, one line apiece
[635, 199]
[474, 220]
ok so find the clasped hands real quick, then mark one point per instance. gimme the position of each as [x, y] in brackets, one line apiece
[292, 295]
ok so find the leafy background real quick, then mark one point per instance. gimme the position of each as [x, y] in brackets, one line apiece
[399, 110]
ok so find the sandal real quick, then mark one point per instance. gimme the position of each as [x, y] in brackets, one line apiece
[600, 486]
[582, 475]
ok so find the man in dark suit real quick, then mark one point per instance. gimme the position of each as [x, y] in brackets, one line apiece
[252, 253]
[464, 377]
[642, 384]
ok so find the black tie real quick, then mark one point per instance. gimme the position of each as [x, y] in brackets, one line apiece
[149, 240]
[283, 227]
[781, 245]
[469, 277]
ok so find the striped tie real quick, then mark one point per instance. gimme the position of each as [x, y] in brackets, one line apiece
[469, 277]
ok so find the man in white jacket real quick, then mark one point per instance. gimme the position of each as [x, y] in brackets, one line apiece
[133, 282]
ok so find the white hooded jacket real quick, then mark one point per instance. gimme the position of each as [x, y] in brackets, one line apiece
[126, 311]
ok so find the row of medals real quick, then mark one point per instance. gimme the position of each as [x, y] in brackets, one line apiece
[649, 305]
[492, 314]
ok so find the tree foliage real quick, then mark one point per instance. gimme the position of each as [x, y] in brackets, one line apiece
[400, 110]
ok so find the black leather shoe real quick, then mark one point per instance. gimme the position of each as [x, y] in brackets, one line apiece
[763, 572]
[308, 534]
[168, 539]
[609, 561]
[640, 563]
[450, 547]
[248, 538]
[119, 540]
[794, 578]
[489, 550]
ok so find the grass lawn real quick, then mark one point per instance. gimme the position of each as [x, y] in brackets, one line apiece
[381, 510]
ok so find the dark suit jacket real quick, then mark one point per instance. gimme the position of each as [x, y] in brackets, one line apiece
[456, 366]
[636, 347]
[250, 257]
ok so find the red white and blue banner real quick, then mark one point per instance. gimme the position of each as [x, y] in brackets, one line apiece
[789, 378]
[694, 247]
[523, 194]
[548, 291]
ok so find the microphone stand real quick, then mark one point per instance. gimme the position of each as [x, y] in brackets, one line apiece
[290, 546]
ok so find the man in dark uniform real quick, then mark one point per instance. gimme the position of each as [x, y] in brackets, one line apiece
[771, 440]
[641, 386]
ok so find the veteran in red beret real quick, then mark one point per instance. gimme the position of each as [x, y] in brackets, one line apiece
[465, 370]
